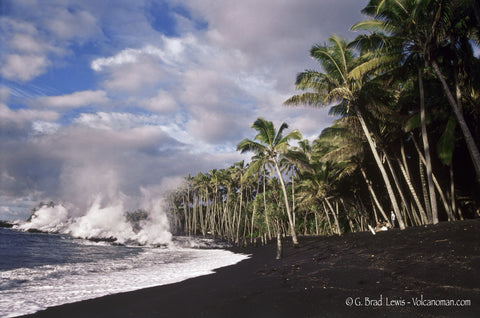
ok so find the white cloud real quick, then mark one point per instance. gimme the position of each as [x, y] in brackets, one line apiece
[44, 127]
[170, 53]
[25, 115]
[216, 128]
[74, 100]
[135, 79]
[36, 33]
[27, 43]
[163, 102]
[124, 57]
[66, 24]
[116, 121]
[271, 36]
[139, 71]
[23, 67]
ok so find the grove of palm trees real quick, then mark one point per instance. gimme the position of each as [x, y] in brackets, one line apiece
[405, 95]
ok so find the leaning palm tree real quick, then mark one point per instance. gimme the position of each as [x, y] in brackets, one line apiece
[344, 142]
[425, 28]
[397, 48]
[272, 143]
[349, 95]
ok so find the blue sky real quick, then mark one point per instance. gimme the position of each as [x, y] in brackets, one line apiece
[122, 98]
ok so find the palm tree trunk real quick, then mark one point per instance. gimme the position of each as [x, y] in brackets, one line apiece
[388, 185]
[239, 211]
[293, 199]
[202, 220]
[413, 192]
[452, 192]
[397, 184]
[472, 147]
[265, 204]
[185, 211]
[415, 217]
[245, 226]
[253, 213]
[253, 218]
[426, 198]
[374, 211]
[374, 196]
[213, 212]
[194, 216]
[350, 223]
[335, 217]
[426, 148]
[435, 181]
[289, 214]
[328, 218]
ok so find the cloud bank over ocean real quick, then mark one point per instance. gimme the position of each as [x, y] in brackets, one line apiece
[116, 98]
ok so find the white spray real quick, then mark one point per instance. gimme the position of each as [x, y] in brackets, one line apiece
[104, 222]
[48, 219]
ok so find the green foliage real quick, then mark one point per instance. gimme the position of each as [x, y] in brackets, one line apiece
[446, 143]
[414, 122]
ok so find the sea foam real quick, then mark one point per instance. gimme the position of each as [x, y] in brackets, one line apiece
[28, 290]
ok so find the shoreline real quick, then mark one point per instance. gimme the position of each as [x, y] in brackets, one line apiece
[396, 273]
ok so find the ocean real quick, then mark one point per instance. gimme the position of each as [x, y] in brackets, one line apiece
[40, 270]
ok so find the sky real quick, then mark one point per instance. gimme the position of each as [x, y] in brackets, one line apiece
[121, 99]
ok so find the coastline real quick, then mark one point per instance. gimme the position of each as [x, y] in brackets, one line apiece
[415, 272]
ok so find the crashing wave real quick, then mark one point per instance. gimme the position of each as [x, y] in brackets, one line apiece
[101, 223]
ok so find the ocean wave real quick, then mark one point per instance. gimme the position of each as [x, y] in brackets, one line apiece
[27, 290]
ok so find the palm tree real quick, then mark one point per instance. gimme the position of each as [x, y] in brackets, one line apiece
[346, 143]
[272, 143]
[423, 29]
[336, 86]
[400, 51]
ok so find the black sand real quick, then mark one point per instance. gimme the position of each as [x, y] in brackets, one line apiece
[384, 275]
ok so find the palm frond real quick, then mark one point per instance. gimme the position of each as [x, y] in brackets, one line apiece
[294, 134]
[338, 94]
[340, 48]
[266, 131]
[299, 159]
[348, 170]
[326, 57]
[307, 99]
[373, 26]
[279, 134]
[370, 65]
[340, 109]
[250, 145]
[254, 167]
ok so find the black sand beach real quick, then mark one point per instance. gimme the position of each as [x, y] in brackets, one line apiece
[418, 272]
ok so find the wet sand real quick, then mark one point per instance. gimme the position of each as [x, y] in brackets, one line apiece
[419, 272]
